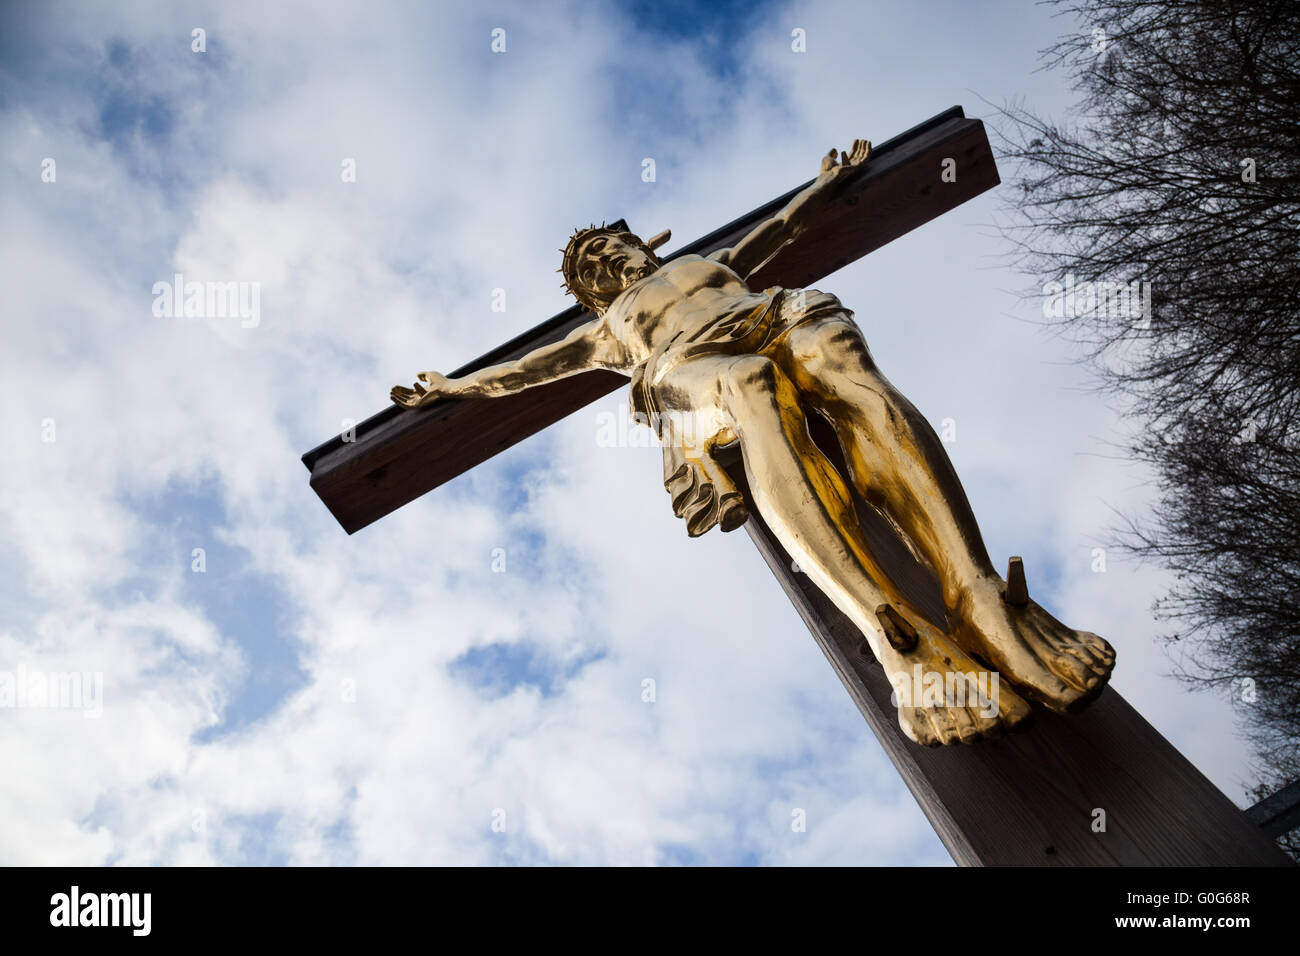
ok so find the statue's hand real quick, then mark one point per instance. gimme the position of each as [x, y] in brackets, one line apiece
[429, 387]
[833, 165]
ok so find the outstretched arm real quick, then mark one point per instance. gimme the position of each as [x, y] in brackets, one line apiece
[759, 246]
[587, 347]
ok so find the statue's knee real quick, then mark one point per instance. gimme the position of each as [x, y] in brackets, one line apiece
[752, 375]
[842, 341]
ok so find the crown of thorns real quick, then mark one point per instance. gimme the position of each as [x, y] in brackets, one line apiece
[569, 269]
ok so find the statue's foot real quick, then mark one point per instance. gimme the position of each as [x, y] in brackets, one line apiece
[1051, 663]
[943, 696]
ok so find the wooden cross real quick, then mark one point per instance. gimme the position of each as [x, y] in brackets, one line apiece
[1032, 798]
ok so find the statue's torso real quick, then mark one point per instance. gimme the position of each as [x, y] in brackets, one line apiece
[688, 300]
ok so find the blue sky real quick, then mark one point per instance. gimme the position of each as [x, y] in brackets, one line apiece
[384, 698]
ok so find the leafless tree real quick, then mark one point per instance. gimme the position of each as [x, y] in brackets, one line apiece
[1180, 167]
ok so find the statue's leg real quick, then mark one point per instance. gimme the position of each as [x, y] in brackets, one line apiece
[898, 463]
[807, 505]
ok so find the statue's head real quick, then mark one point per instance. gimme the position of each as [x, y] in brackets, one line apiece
[601, 261]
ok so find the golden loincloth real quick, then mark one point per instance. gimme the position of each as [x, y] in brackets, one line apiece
[702, 492]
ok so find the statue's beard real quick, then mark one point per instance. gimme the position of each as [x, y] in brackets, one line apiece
[626, 277]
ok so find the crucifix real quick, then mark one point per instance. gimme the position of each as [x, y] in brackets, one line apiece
[773, 415]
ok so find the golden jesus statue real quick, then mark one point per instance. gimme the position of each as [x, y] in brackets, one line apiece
[749, 367]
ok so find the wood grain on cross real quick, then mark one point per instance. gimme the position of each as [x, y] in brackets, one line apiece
[1029, 799]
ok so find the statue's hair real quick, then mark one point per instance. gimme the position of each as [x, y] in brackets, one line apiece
[597, 302]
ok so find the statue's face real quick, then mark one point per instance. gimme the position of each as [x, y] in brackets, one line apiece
[609, 263]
